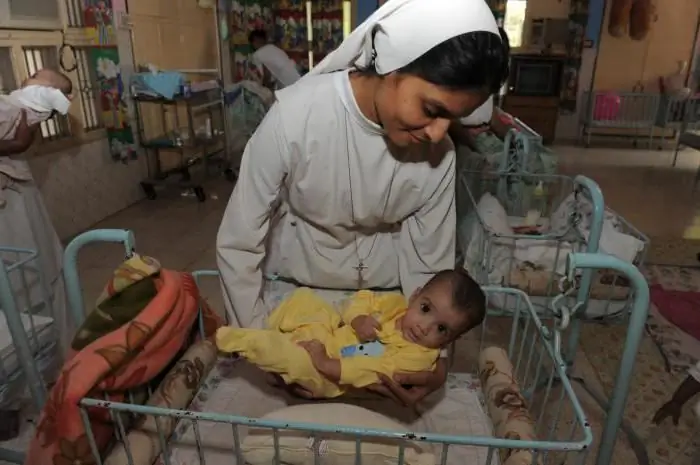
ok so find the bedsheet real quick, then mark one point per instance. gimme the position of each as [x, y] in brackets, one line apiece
[236, 387]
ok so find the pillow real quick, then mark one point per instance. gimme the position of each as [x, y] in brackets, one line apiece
[494, 215]
[297, 447]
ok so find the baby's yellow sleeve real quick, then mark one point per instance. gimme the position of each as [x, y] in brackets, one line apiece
[370, 303]
[362, 303]
[362, 371]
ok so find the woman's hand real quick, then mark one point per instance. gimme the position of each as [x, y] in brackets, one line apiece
[410, 388]
[295, 390]
[24, 135]
[366, 327]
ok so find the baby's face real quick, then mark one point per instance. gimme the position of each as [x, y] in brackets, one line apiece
[431, 320]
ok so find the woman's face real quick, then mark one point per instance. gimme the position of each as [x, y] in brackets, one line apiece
[413, 111]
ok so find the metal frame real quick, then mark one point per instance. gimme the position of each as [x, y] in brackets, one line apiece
[18, 268]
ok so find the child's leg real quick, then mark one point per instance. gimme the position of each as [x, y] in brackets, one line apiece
[272, 351]
[303, 308]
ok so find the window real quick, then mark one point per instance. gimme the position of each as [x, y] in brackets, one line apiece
[8, 82]
[89, 91]
[514, 21]
[36, 58]
[347, 18]
[74, 13]
[25, 51]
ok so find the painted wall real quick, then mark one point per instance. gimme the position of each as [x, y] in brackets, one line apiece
[669, 41]
[84, 185]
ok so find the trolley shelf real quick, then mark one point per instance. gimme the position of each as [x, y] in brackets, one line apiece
[173, 142]
[199, 139]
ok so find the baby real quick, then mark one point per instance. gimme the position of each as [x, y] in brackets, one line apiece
[309, 344]
[41, 96]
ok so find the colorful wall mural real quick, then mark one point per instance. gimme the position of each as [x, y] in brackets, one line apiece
[98, 16]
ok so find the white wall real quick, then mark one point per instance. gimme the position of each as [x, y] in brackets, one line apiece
[83, 185]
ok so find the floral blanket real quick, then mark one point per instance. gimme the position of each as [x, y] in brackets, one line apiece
[130, 339]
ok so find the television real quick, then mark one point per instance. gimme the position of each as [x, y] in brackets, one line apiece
[535, 75]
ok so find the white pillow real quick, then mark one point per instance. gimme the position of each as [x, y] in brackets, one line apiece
[494, 215]
[297, 447]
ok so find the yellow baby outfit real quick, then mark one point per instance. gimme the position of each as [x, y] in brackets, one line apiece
[304, 316]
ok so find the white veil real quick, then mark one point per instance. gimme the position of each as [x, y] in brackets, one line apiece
[403, 30]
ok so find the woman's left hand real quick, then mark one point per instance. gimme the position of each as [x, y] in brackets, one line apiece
[420, 384]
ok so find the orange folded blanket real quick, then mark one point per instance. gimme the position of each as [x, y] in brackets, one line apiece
[122, 359]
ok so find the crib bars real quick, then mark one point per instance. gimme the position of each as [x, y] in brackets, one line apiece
[26, 304]
[637, 114]
[536, 362]
[491, 257]
[534, 348]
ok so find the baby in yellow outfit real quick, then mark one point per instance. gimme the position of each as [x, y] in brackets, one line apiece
[308, 343]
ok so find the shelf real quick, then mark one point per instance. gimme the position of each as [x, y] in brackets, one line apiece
[195, 98]
[166, 142]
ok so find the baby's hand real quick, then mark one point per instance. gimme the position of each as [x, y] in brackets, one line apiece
[315, 348]
[327, 366]
[366, 328]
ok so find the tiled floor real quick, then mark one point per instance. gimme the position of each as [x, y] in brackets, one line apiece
[180, 232]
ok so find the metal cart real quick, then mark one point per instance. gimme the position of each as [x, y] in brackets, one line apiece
[182, 149]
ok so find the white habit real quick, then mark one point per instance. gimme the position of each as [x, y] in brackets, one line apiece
[341, 201]
[278, 63]
[316, 153]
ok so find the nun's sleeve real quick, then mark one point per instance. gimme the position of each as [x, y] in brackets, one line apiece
[427, 238]
[240, 242]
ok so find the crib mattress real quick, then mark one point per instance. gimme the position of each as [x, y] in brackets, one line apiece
[236, 387]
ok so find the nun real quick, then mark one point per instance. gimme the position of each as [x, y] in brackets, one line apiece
[349, 181]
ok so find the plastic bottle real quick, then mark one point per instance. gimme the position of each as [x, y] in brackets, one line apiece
[538, 205]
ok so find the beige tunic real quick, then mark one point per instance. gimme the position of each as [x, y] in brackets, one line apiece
[342, 198]
[25, 223]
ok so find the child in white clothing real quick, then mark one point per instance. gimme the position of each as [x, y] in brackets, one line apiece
[41, 96]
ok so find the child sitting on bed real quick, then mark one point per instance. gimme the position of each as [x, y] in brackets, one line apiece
[309, 344]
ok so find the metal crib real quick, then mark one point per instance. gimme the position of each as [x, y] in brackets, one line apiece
[523, 152]
[534, 348]
[490, 250]
[26, 304]
[29, 319]
[632, 113]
